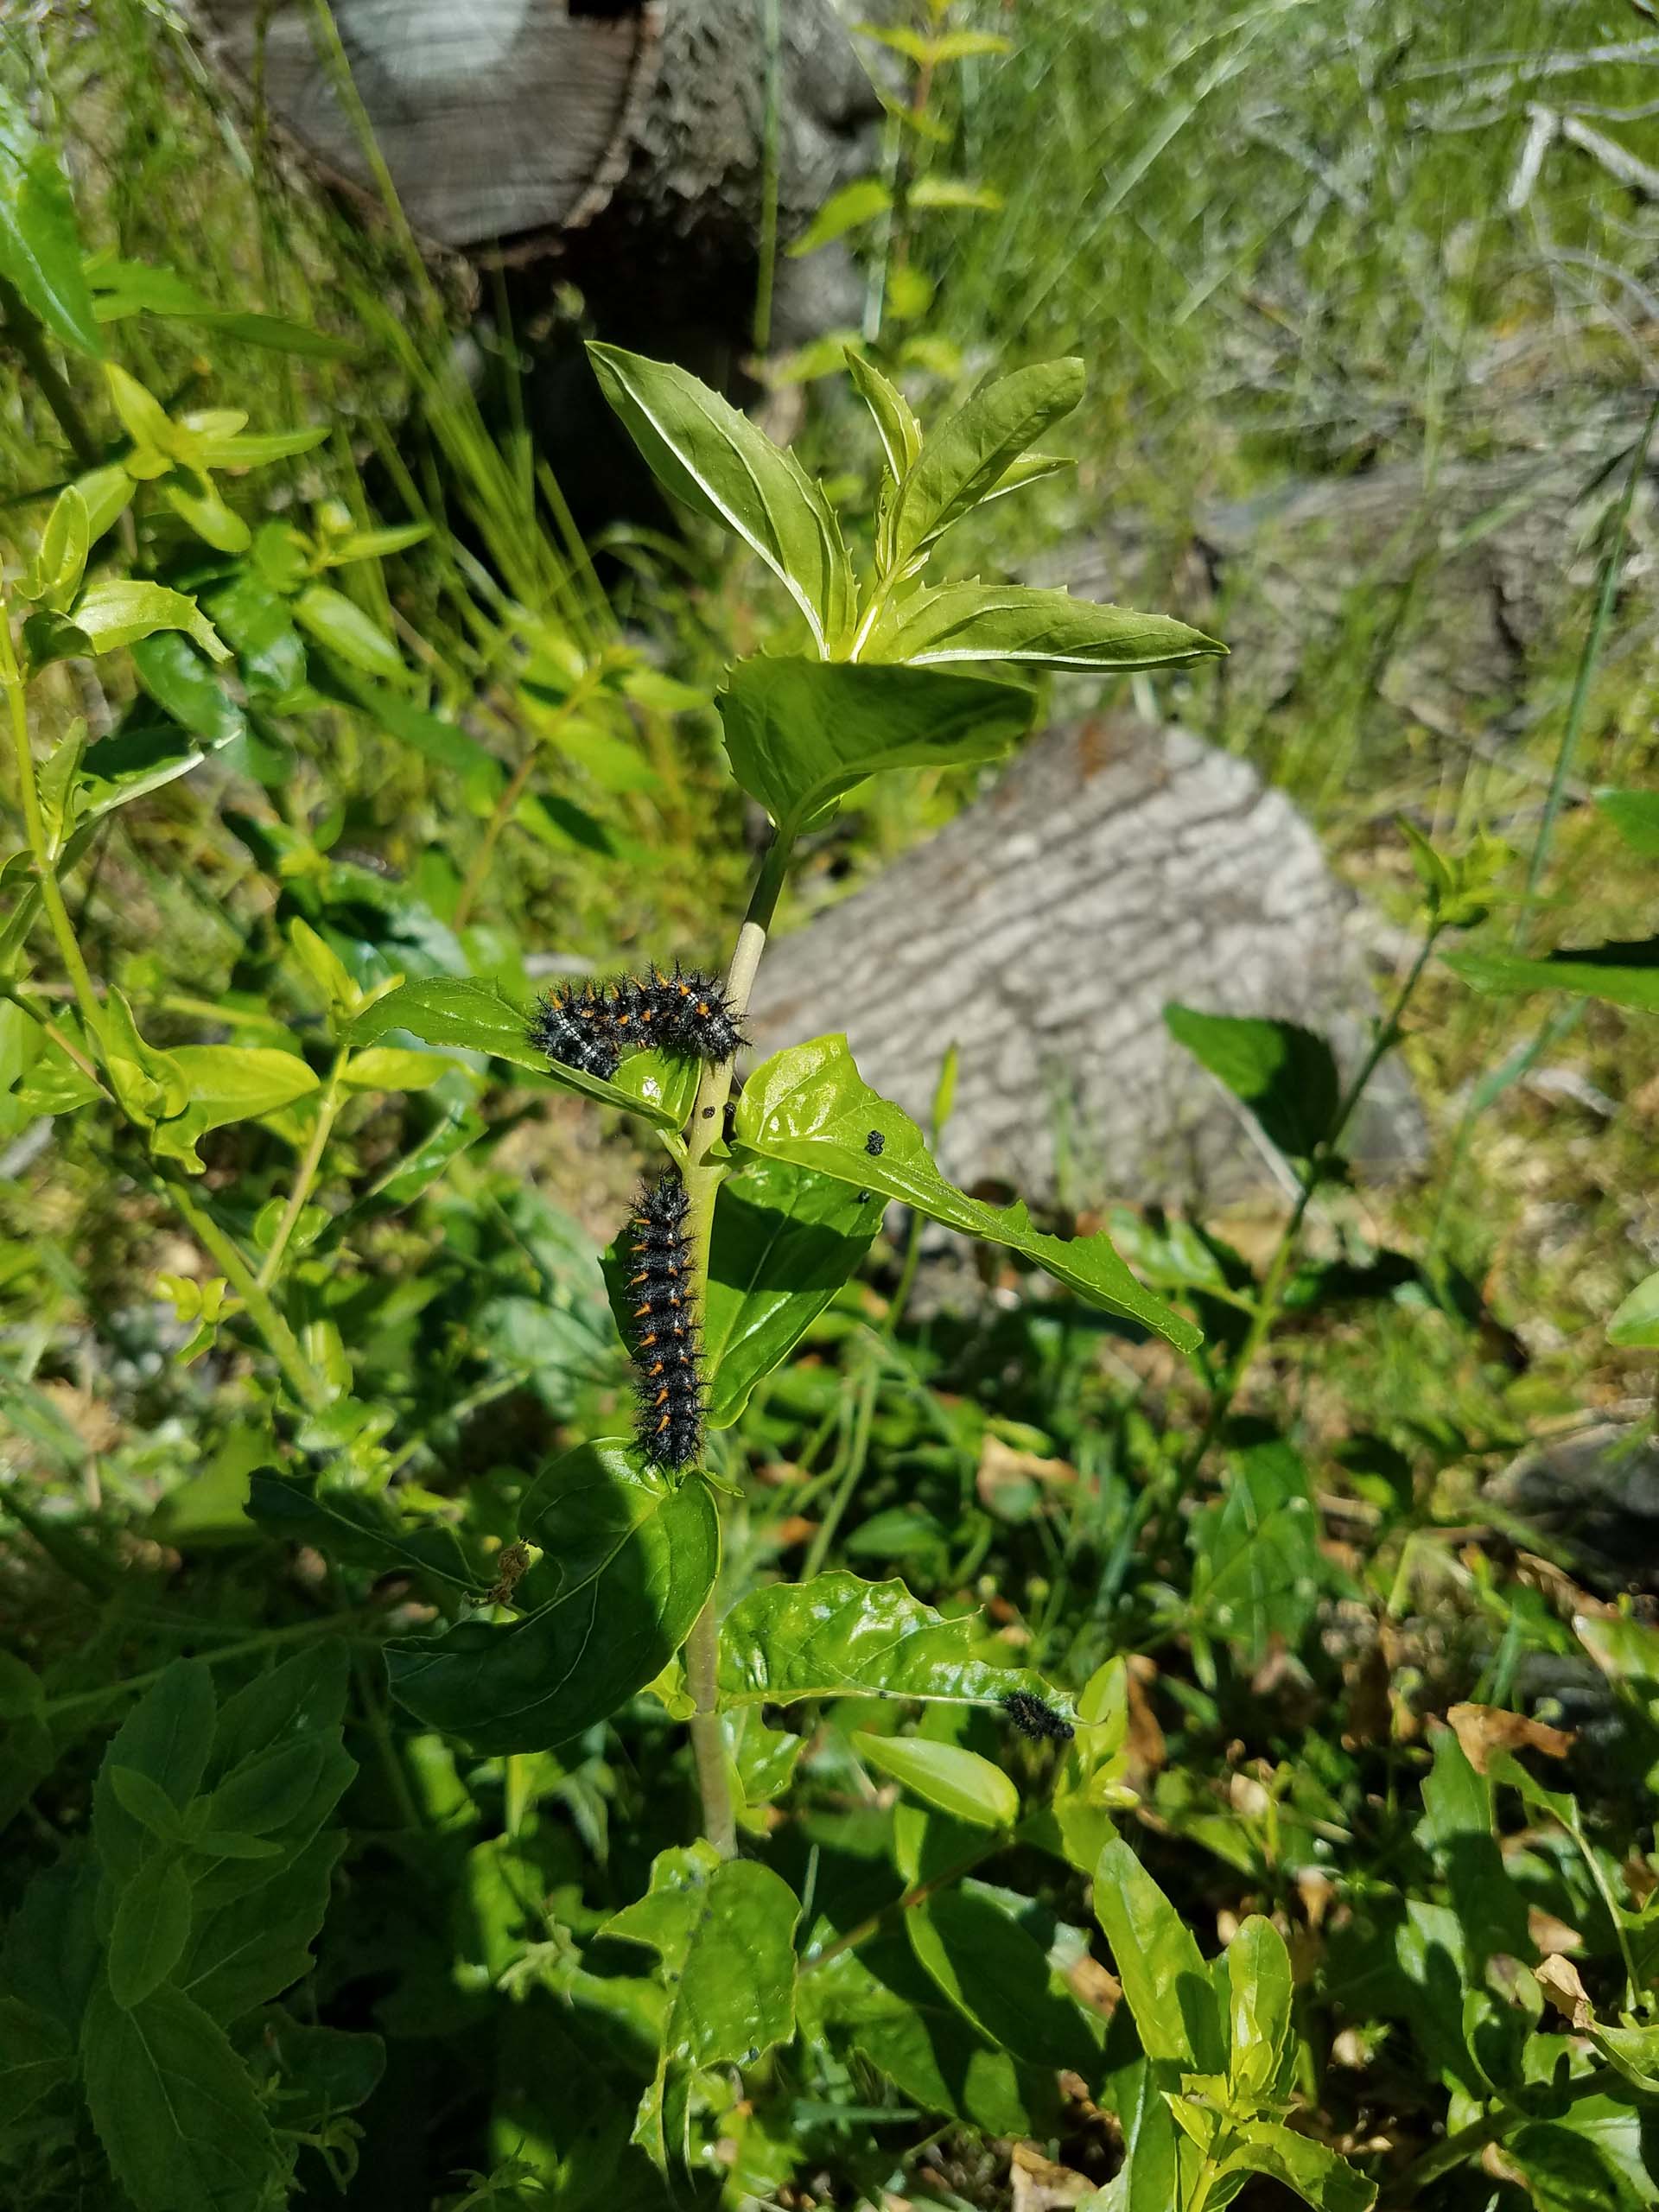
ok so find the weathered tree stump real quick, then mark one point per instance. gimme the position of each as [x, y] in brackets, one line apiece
[510, 124]
[1115, 867]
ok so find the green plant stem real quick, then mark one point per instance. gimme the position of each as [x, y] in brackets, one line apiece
[303, 1378]
[46, 873]
[857, 1452]
[25, 333]
[513, 791]
[703, 1174]
[327, 1109]
[772, 31]
[1583, 676]
[1469, 2142]
[1163, 1501]
[919, 1895]
[296, 1633]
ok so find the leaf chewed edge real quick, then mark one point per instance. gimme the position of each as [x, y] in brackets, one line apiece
[810, 1104]
[838, 1635]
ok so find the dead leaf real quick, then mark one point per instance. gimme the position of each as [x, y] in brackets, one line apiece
[1004, 1476]
[1041, 2186]
[1563, 1591]
[1484, 1729]
[1549, 1934]
[1559, 1980]
[1144, 1742]
[1095, 1986]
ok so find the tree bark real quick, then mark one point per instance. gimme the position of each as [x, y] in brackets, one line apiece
[1115, 867]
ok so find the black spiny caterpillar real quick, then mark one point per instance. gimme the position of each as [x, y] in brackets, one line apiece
[591, 1026]
[666, 1354]
[1034, 1718]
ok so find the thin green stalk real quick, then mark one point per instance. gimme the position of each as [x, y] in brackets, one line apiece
[327, 1110]
[1162, 1500]
[39, 847]
[303, 1380]
[858, 1448]
[703, 1175]
[772, 31]
[25, 333]
[294, 1633]
[1583, 677]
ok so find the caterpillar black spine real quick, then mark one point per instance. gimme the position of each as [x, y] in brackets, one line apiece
[667, 1354]
[573, 1025]
[1036, 1721]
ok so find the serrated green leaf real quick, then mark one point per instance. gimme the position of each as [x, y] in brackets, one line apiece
[838, 1635]
[968, 455]
[174, 2107]
[800, 732]
[724, 1930]
[714, 459]
[1044, 629]
[166, 1739]
[1320, 2177]
[630, 1563]
[895, 420]
[945, 1776]
[37, 2054]
[809, 1104]
[121, 610]
[147, 1803]
[248, 1948]
[152, 1926]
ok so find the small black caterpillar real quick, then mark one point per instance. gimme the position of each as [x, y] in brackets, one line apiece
[591, 1026]
[876, 1144]
[1034, 1718]
[667, 1358]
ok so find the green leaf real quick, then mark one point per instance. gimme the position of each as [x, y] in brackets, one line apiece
[1635, 815]
[121, 289]
[935, 191]
[106, 493]
[1048, 629]
[1165, 1980]
[861, 201]
[724, 1930]
[839, 1636]
[895, 420]
[629, 1565]
[1459, 1831]
[174, 2107]
[799, 733]
[53, 577]
[1625, 975]
[714, 458]
[249, 1948]
[423, 731]
[998, 1976]
[1258, 1572]
[1589, 2159]
[39, 251]
[880, 2000]
[152, 1926]
[175, 676]
[238, 1082]
[1285, 1074]
[123, 610]
[198, 504]
[967, 457]
[1320, 2177]
[785, 1242]
[356, 1529]
[166, 1739]
[945, 1776]
[36, 2055]
[340, 624]
[480, 1017]
[147, 1803]
[809, 1104]
[1258, 2006]
[1635, 1324]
